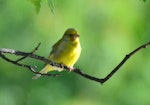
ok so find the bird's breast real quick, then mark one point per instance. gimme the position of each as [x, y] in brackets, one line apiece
[68, 54]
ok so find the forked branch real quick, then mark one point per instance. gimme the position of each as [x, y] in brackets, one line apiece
[76, 70]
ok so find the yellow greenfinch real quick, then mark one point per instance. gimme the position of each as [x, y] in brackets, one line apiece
[66, 52]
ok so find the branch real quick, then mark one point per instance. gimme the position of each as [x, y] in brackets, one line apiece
[124, 60]
[31, 68]
[76, 70]
[36, 48]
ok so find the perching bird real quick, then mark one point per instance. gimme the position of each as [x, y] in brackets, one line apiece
[66, 51]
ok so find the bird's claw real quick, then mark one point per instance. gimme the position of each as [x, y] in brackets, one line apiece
[62, 66]
[70, 69]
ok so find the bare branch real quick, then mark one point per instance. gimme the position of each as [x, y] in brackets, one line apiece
[76, 70]
[36, 48]
[31, 68]
[123, 61]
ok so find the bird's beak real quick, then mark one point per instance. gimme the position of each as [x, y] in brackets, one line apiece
[75, 36]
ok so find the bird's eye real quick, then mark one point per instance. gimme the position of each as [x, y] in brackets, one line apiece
[70, 35]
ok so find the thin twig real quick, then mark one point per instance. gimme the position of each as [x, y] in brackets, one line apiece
[31, 68]
[123, 61]
[36, 48]
[76, 70]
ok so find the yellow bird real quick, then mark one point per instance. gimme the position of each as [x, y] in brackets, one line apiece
[66, 52]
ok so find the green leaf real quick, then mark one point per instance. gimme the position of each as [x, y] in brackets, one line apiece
[50, 4]
[37, 4]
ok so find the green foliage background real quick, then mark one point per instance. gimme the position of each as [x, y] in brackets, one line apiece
[108, 31]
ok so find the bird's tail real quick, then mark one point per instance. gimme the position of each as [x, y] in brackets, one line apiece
[46, 69]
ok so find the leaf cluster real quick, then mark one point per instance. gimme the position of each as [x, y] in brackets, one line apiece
[37, 4]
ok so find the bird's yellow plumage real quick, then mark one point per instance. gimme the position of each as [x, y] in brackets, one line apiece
[66, 52]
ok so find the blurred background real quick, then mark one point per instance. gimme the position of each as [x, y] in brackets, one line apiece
[108, 31]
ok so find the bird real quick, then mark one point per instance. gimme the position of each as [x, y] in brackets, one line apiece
[65, 51]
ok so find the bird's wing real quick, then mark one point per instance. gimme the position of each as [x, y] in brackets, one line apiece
[55, 46]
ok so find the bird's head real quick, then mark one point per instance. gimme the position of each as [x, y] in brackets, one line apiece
[71, 34]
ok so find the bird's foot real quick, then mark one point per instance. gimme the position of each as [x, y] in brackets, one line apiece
[62, 66]
[70, 69]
